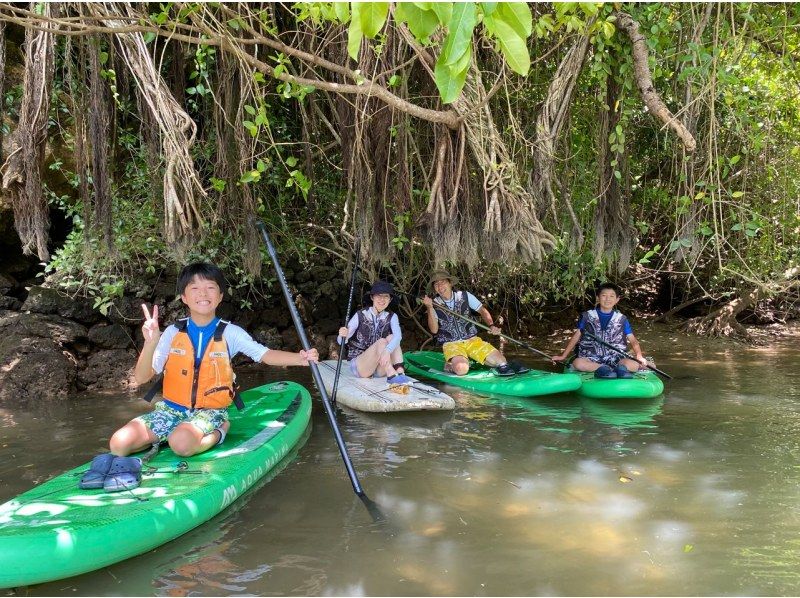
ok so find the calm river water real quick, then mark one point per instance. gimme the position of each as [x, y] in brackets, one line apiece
[695, 492]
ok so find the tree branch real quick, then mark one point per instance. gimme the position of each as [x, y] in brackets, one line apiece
[644, 81]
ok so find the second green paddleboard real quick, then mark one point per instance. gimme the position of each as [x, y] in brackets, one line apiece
[480, 379]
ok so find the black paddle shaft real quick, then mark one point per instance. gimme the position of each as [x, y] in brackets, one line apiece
[356, 256]
[624, 354]
[479, 325]
[314, 369]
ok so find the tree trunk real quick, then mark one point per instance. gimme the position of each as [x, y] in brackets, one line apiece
[22, 176]
[612, 228]
[99, 133]
[549, 122]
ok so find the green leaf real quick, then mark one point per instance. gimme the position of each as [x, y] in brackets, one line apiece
[449, 82]
[443, 10]
[249, 109]
[513, 48]
[342, 11]
[737, 193]
[291, 161]
[459, 34]
[488, 8]
[354, 32]
[421, 23]
[518, 16]
[373, 17]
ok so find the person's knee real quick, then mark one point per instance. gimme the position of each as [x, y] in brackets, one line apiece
[183, 443]
[118, 444]
[495, 358]
[460, 368]
[633, 366]
[124, 441]
[585, 365]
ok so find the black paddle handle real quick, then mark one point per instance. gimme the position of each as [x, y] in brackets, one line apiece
[356, 256]
[314, 369]
[625, 354]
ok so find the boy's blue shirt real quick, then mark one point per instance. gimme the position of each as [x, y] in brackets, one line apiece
[200, 336]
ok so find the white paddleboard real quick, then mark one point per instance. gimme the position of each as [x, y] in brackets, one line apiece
[375, 394]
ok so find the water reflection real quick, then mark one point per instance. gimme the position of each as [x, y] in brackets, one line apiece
[694, 492]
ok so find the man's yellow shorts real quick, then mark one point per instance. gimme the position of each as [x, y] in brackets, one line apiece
[474, 348]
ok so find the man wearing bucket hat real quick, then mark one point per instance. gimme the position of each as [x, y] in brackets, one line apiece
[373, 338]
[459, 338]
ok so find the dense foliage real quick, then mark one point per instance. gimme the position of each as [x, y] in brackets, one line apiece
[515, 143]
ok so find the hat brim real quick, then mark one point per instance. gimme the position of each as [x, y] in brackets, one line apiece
[453, 282]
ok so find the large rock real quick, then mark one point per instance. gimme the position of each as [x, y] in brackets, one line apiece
[109, 369]
[327, 326]
[33, 368]
[111, 336]
[323, 273]
[277, 316]
[291, 342]
[7, 284]
[269, 337]
[59, 330]
[44, 300]
[10, 303]
[128, 311]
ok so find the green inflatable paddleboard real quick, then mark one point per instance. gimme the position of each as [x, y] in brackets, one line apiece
[56, 530]
[483, 380]
[643, 385]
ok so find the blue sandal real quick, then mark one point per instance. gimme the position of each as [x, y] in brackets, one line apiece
[125, 474]
[96, 475]
[623, 372]
[605, 372]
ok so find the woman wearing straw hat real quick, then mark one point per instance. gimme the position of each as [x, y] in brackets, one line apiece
[373, 338]
[459, 338]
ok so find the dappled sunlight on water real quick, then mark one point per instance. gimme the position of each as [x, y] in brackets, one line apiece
[694, 492]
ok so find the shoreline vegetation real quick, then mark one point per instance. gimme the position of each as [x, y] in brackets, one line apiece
[532, 149]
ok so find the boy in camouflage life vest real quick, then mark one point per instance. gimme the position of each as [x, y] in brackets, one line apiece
[459, 338]
[609, 325]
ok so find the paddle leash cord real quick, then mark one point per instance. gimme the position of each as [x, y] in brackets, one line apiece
[301, 333]
[356, 258]
[625, 354]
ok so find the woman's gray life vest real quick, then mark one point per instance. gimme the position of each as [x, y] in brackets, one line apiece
[368, 332]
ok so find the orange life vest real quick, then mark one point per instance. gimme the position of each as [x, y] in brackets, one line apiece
[211, 384]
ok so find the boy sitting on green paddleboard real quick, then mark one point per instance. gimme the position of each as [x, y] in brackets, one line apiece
[198, 385]
[459, 338]
[609, 325]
